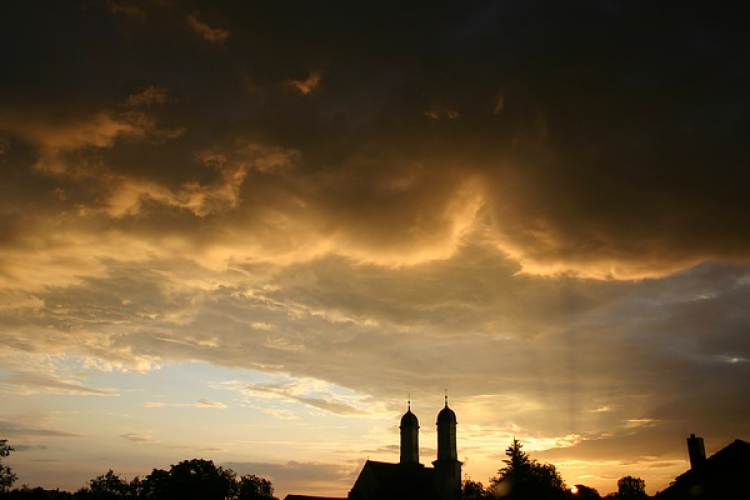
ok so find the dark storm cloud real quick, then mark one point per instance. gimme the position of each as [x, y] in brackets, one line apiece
[606, 136]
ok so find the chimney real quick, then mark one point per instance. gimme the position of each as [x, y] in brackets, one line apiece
[696, 451]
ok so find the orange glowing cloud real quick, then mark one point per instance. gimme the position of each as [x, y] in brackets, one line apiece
[308, 85]
[213, 35]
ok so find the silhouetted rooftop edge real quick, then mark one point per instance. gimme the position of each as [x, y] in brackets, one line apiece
[722, 475]
[311, 497]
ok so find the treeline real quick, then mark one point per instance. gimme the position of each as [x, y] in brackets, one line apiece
[523, 478]
[195, 479]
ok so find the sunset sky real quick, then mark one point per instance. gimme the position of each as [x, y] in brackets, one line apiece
[250, 231]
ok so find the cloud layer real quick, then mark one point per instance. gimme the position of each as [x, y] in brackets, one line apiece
[538, 206]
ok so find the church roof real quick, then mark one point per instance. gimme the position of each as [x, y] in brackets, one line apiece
[387, 481]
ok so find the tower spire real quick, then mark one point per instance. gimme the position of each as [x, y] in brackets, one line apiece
[409, 436]
[447, 466]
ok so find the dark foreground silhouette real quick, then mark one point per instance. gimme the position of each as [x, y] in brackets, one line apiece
[195, 479]
[722, 476]
[523, 478]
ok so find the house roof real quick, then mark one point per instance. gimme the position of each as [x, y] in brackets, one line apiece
[309, 497]
[723, 475]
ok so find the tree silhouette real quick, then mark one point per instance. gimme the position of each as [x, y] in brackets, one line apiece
[474, 490]
[155, 486]
[38, 493]
[586, 493]
[110, 485]
[251, 487]
[525, 479]
[7, 477]
[195, 479]
[631, 488]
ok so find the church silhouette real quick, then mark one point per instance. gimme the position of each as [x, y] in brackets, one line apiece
[409, 479]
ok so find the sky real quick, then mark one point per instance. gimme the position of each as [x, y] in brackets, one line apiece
[250, 231]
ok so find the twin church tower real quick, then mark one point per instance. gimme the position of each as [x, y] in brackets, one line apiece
[409, 479]
[447, 474]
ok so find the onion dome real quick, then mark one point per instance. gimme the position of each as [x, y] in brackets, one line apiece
[446, 416]
[409, 419]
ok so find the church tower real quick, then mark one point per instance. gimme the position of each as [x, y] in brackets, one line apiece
[409, 438]
[447, 466]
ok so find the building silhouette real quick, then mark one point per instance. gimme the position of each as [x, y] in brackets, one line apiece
[722, 476]
[409, 479]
